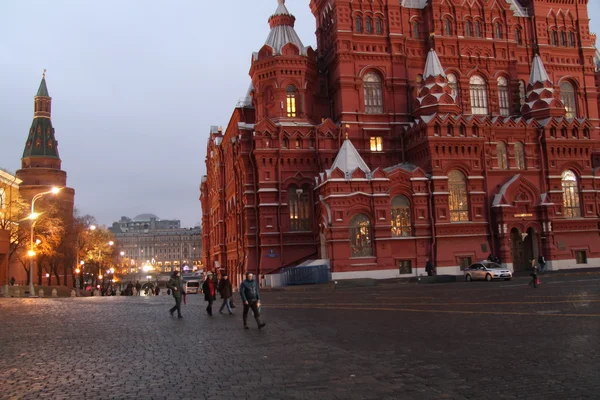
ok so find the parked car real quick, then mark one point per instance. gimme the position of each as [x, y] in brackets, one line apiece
[487, 270]
[192, 287]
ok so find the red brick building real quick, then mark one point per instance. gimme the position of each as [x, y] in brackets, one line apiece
[438, 129]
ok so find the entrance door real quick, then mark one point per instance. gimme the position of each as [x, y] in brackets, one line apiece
[530, 245]
[518, 250]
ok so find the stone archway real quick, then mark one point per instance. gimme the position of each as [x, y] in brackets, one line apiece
[517, 248]
[531, 245]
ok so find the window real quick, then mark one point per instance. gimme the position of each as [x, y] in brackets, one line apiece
[519, 155]
[415, 30]
[405, 267]
[479, 100]
[458, 202]
[369, 25]
[522, 93]
[360, 236]
[400, 214]
[571, 208]
[571, 39]
[518, 37]
[299, 204]
[298, 143]
[554, 38]
[2, 200]
[291, 101]
[478, 31]
[285, 143]
[503, 96]
[498, 30]
[379, 26]
[376, 143]
[453, 83]
[567, 96]
[468, 28]
[581, 257]
[502, 156]
[448, 27]
[358, 24]
[373, 97]
[465, 262]
[563, 38]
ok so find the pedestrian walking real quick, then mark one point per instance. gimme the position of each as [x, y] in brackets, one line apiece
[542, 263]
[534, 276]
[12, 281]
[138, 288]
[251, 300]
[209, 289]
[157, 290]
[226, 291]
[176, 286]
[429, 268]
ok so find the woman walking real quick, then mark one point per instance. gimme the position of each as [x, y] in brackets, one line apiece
[176, 286]
[208, 287]
[226, 291]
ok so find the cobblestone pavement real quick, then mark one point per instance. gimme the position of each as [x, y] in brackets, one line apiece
[499, 340]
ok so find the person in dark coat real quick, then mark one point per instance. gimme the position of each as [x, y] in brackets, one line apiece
[251, 300]
[429, 268]
[542, 263]
[210, 292]
[12, 281]
[176, 286]
[226, 291]
[138, 288]
[534, 274]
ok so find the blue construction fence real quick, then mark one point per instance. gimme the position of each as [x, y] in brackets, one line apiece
[305, 275]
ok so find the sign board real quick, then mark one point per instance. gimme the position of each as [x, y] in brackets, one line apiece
[523, 215]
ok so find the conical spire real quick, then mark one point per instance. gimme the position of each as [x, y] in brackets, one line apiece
[348, 160]
[41, 141]
[281, 8]
[538, 71]
[435, 95]
[43, 90]
[282, 30]
[542, 99]
[433, 66]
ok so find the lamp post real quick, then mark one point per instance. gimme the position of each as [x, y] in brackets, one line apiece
[31, 252]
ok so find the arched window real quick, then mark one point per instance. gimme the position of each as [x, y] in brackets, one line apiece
[453, 83]
[298, 143]
[369, 25]
[502, 156]
[518, 37]
[503, 97]
[416, 28]
[291, 101]
[563, 38]
[458, 198]
[379, 26]
[522, 92]
[478, 30]
[2, 200]
[519, 155]
[479, 99]
[468, 28]
[360, 236]
[285, 143]
[358, 24]
[498, 30]
[401, 224]
[571, 39]
[571, 207]
[299, 205]
[554, 38]
[448, 27]
[567, 95]
[373, 95]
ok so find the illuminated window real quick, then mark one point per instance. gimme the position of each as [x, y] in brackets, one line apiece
[522, 93]
[503, 97]
[369, 25]
[2, 201]
[299, 205]
[571, 207]
[458, 198]
[453, 83]
[567, 95]
[298, 143]
[502, 156]
[373, 95]
[401, 224]
[479, 99]
[376, 143]
[291, 101]
[519, 155]
[360, 236]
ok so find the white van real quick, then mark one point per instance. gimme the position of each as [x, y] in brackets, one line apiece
[192, 287]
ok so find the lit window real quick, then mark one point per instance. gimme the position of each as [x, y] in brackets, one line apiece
[522, 93]
[373, 95]
[479, 99]
[360, 236]
[567, 95]
[519, 155]
[369, 25]
[291, 101]
[379, 26]
[376, 143]
[458, 198]
[358, 24]
[502, 156]
[453, 83]
[2, 205]
[571, 207]
[503, 96]
[401, 224]
[298, 143]
[299, 205]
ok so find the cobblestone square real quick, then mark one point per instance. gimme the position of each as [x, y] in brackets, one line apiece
[499, 340]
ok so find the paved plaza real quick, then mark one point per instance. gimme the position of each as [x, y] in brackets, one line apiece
[499, 340]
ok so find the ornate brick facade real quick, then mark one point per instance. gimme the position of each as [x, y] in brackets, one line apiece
[438, 129]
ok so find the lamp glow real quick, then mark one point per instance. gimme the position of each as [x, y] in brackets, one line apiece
[31, 253]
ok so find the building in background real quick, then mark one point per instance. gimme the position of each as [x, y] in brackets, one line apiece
[418, 129]
[10, 211]
[158, 245]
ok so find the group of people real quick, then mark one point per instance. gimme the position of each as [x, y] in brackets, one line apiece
[210, 287]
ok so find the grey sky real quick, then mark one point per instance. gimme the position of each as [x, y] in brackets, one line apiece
[135, 87]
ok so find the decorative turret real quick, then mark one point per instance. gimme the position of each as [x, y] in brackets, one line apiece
[542, 99]
[435, 94]
[283, 33]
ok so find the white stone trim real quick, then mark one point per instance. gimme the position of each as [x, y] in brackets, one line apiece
[559, 265]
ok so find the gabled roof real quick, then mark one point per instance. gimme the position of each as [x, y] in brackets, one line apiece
[517, 9]
[418, 4]
[348, 160]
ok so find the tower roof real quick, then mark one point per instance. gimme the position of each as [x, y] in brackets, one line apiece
[433, 66]
[41, 141]
[282, 30]
[281, 8]
[348, 160]
[43, 89]
[538, 71]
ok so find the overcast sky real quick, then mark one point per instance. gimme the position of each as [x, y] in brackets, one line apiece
[135, 85]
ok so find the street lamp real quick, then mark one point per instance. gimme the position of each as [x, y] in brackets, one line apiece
[33, 216]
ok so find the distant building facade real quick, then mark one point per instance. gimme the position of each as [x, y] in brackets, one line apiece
[442, 129]
[147, 240]
[9, 196]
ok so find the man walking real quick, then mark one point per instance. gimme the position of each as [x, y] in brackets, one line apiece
[209, 289]
[542, 263]
[138, 288]
[176, 287]
[226, 292]
[429, 268]
[251, 300]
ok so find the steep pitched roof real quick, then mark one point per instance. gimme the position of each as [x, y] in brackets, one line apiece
[538, 71]
[282, 30]
[43, 89]
[348, 160]
[433, 66]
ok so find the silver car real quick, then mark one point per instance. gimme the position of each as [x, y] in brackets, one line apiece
[488, 271]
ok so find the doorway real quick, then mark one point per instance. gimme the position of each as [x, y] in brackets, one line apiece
[524, 248]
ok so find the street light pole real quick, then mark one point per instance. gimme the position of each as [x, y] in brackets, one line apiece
[33, 216]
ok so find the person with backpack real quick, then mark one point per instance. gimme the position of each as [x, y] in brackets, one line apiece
[251, 300]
